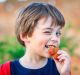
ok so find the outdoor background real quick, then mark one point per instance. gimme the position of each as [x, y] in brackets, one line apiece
[10, 49]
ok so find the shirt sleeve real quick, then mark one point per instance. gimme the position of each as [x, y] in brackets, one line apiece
[5, 68]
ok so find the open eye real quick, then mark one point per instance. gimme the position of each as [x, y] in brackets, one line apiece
[58, 33]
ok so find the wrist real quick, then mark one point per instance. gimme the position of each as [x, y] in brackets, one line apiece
[67, 73]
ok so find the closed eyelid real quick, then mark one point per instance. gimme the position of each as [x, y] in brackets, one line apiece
[47, 31]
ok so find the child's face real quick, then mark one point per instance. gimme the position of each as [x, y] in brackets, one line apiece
[44, 34]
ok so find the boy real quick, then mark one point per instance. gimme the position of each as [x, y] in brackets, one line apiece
[38, 27]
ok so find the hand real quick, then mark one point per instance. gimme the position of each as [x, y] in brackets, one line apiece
[63, 63]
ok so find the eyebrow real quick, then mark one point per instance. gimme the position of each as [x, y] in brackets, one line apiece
[47, 28]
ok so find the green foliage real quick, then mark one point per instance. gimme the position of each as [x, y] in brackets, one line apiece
[10, 49]
[66, 43]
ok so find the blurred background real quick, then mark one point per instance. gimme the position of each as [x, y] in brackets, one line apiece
[10, 49]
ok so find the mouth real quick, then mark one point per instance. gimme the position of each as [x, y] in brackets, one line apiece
[47, 46]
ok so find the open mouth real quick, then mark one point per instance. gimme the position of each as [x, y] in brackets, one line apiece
[47, 46]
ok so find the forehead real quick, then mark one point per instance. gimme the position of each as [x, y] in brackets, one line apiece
[46, 22]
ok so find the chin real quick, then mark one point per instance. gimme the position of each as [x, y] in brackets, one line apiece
[47, 56]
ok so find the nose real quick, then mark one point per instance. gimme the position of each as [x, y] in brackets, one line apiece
[54, 39]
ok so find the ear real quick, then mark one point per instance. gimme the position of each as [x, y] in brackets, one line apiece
[24, 38]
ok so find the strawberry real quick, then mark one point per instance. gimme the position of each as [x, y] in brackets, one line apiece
[53, 52]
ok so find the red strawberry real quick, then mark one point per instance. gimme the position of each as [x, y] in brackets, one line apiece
[53, 52]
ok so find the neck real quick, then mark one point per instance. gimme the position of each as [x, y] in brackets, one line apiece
[32, 59]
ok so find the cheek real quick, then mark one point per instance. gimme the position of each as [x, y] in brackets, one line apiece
[42, 42]
[38, 43]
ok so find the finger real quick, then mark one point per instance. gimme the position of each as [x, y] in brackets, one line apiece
[60, 52]
[62, 59]
[62, 55]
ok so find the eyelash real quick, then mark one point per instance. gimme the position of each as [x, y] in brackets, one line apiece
[47, 32]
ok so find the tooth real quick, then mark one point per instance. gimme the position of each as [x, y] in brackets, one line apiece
[47, 46]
